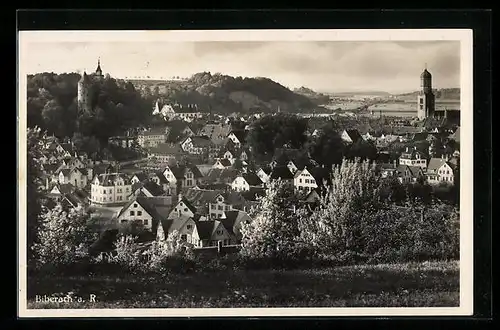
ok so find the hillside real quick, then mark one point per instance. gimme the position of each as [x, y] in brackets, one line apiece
[225, 94]
[443, 94]
[318, 98]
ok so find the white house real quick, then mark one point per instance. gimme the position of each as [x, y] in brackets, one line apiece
[184, 225]
[245, 181]
[222, 163]
[183, 208]
[140, 211]
[263, 175]
[209, 233]
[110, 189]
[75, 176]
[440, 171]
[413, 158]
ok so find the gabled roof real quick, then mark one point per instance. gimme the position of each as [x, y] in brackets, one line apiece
[110, 179]
[240, 134]
[154, 131]
[281, 172]
[201, 141]
[141, 176]
[253, 179]
[153, 188]
[436, 163]
[353, 134]
[206, 228]
[414, 171]
[233, 217]
[218, 174]
[216, 132]
[456, 135]
[163, 179]
[180, 170]
[224, 162]
[147, 204]
[169, 225]
[188, 204]
[320, 174]
[201, 196]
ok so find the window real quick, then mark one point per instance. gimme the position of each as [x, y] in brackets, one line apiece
[219, 232]
[226, 207]
[220, 208]
[146, 222]
[212, 215]
[132, 213]
[307, 180]
[184, 237]
[189, 227]
[185, 209]
[135, 204]
[104, 191]
[300, 180]
[139, 212]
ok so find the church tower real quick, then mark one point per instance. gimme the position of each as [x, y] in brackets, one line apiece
[84, 89]
[425, 98]
[98, 71]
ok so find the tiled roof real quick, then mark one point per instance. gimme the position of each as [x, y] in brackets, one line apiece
[435, 164]
[201, 196]
[253, 179]
[234, 217]
[221, 175]
[110, 179]
[206, 228]
[279, 172]
[180, 170]
[353, 134]
[241, 135]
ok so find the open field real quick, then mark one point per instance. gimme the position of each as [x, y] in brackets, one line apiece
[430, 284]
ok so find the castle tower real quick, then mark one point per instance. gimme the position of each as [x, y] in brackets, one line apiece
[425, 98]
[84, 99]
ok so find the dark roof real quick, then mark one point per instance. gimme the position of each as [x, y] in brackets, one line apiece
[414, 170]
[253, 193]
[280, 172]
[253, 179]
[201, 196]
[354, 135]
[163, 179]
[240, 134]
[201, 141]
[154, 188]
[221, 175]
[232, 218]
[320, 174]
[148, 204]
[109, 179]
[225, 162]
[141, 176]
[425, 74]
[419, 136]
[180, 170]
[188, 204]
[206, 228]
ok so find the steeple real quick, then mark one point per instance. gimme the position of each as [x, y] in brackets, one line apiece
[98, 71]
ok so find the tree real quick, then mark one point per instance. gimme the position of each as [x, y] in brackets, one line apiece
[279, 131]
[328, 148]
[52, 115]
[63, 237]
[273, 232]
[336, 225]
[33, 196]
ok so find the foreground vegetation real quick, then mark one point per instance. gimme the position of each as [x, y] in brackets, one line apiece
[428, 284]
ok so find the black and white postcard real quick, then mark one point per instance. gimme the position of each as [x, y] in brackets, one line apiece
[245, 173]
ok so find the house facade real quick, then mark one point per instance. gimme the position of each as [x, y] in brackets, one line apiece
[440, 171]
[413, 158]
[110, 189]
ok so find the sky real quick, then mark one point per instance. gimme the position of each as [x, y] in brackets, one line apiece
[325, 66]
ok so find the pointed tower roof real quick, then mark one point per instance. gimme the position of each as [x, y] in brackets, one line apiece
[426, 74]
[98, 70]
[84, 77]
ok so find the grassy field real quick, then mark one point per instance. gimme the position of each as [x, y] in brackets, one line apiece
[403, 285]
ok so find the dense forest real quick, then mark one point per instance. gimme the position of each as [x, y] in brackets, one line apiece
[52, 106]
[225, 94]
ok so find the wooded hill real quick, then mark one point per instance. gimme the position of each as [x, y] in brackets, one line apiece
[225, 94]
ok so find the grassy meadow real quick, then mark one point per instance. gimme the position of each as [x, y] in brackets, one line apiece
[429, 284]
